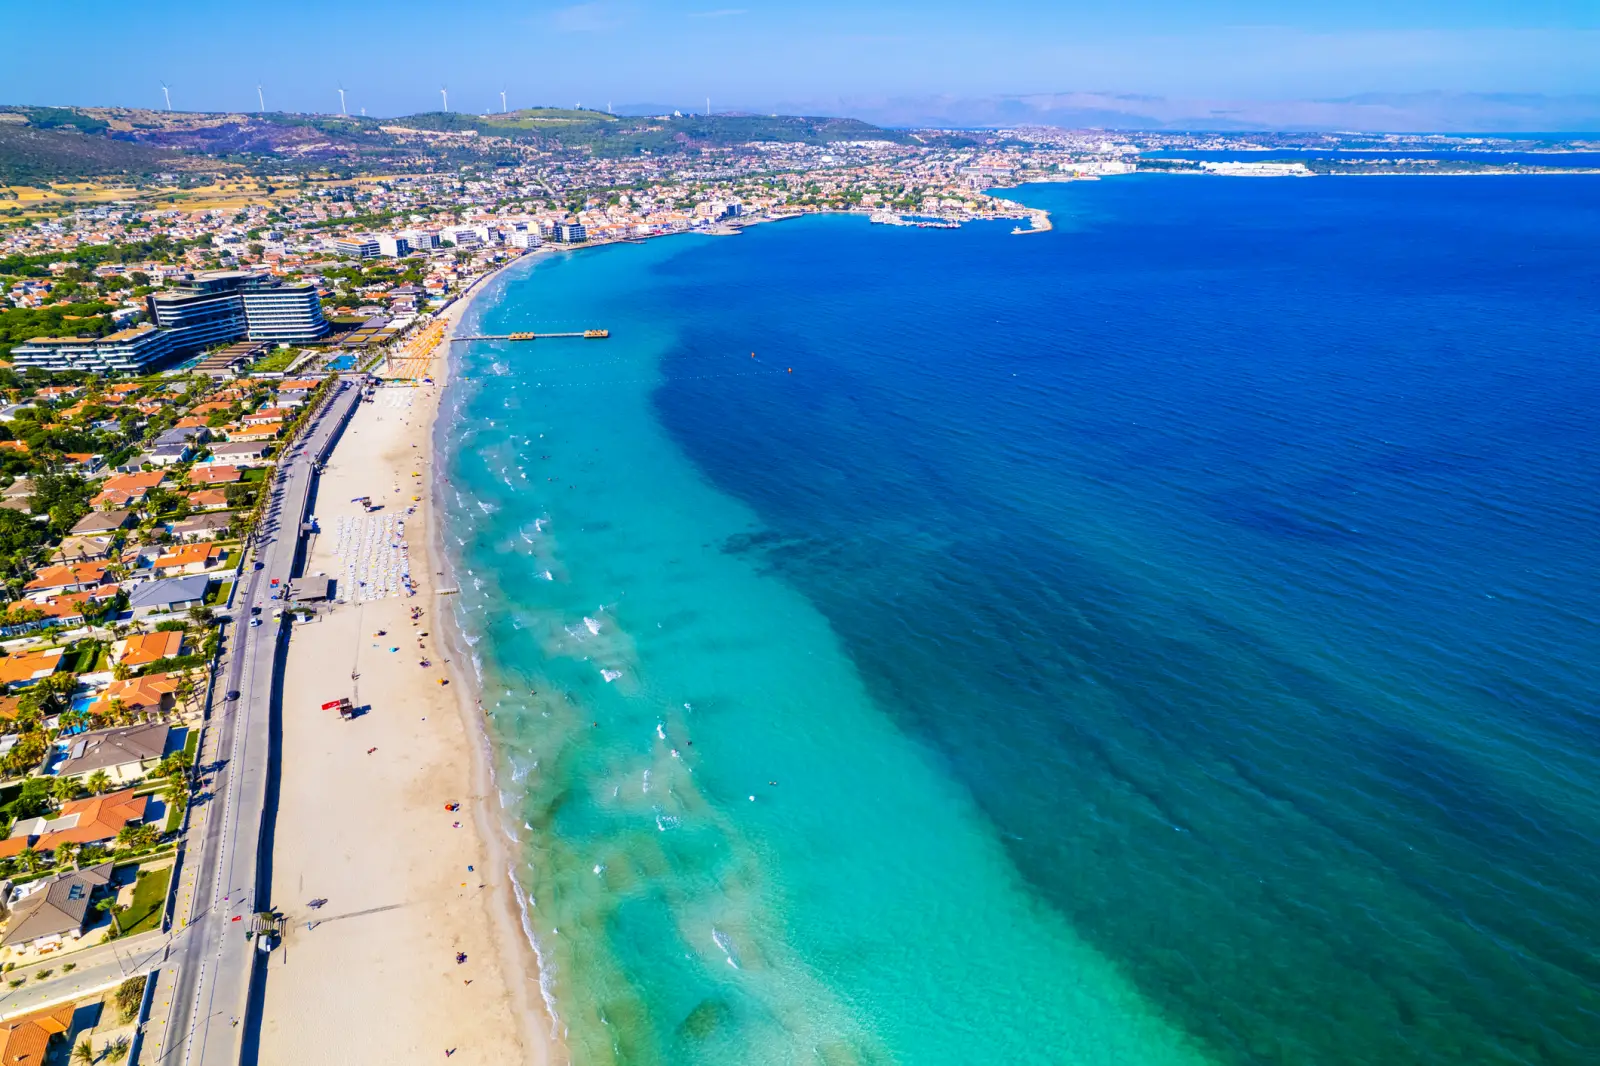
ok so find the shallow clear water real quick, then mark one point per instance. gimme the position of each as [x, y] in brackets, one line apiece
[1169, 636]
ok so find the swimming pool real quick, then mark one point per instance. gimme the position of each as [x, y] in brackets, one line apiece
[343, 362]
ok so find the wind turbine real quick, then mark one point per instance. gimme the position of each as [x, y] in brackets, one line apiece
[261, 98]
[708, 107]
[503, 108]
[444, 93]
[168, 94]
[342, 111]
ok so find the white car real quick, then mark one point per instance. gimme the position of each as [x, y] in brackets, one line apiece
[254, 622]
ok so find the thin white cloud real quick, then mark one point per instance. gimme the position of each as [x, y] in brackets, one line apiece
[720, 13]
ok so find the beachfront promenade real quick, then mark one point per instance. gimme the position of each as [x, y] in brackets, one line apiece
[206, 981]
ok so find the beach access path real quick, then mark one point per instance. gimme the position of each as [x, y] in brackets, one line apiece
[371, 975]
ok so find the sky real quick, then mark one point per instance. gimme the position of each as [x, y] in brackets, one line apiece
[393, 57]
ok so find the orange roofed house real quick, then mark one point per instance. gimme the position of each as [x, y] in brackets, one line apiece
[124, 489]
[254, 432]
[214, 475]
[207, 500]
[149, 695]
[92, 820]
[25, 1039]
[28, 667]
[71, 577]
[142, 649]
[191, 559]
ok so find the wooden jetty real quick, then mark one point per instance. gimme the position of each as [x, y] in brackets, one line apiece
[586, 334]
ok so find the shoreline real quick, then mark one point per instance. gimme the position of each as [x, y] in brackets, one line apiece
[509, 908]
[360, 822]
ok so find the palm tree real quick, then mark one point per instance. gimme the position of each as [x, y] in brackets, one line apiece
[29, 860]
[185, 691]
[84, 1052]
[99, 781]
[109, 906]
[65, 788]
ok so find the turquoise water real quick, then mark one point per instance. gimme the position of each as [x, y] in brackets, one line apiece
[1163, 639]
[697, 925]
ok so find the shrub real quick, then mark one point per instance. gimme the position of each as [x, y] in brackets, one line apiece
[130, 994]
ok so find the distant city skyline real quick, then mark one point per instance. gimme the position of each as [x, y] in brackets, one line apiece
[393, 58]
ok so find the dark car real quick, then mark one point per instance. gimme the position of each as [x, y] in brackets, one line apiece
[233, 694]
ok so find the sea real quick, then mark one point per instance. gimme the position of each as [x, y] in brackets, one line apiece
[1566, 160]
[1166, 639]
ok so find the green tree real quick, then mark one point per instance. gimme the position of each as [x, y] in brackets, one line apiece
[84, 1052]
[135, 837]
[175, 765]
[63, 497]
[99, 782]
[176, 794]
[109, 906]
[63, 789]
[32, 800]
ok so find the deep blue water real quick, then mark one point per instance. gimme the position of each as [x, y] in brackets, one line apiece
[1233, 546]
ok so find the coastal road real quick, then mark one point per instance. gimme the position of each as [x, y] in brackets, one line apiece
[213, 962]
[92, 968]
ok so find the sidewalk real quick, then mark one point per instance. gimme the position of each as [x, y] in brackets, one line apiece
[195, 817]
[154, 1029]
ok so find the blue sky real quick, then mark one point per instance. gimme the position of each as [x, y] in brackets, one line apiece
[392, 57]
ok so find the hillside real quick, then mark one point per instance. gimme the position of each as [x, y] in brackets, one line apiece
[616, 135]
[29, 155]
[42, 143]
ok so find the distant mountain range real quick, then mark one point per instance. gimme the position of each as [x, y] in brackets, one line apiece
[1433, 112]
[54, 143]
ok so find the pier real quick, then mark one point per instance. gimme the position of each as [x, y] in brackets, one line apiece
[586, 334]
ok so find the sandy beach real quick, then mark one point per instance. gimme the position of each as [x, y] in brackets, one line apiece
[365, 820]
